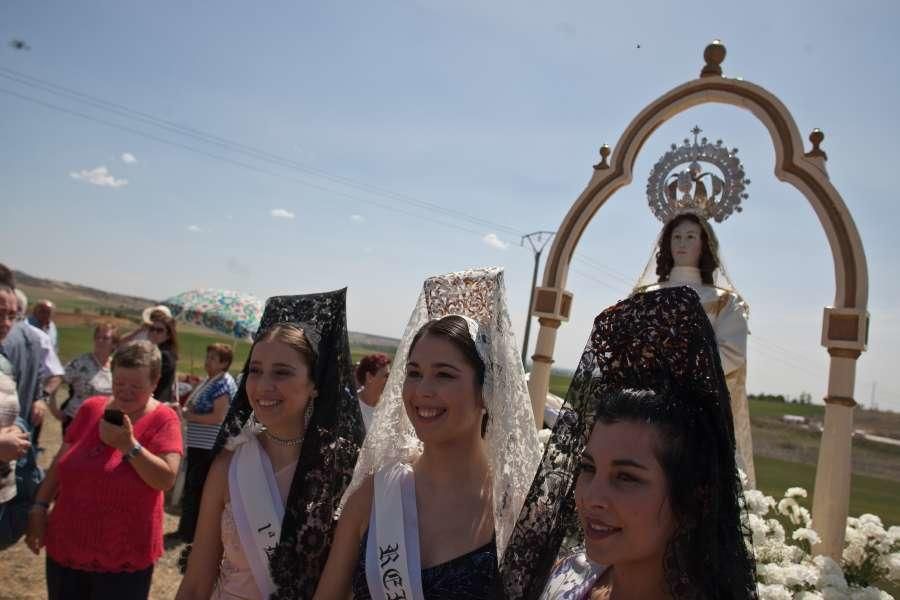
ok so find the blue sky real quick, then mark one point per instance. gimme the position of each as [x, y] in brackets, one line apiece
[493, 111]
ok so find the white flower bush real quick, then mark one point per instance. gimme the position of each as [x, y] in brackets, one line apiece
[786, 568]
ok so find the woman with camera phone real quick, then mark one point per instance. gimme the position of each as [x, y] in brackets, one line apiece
[104, 532]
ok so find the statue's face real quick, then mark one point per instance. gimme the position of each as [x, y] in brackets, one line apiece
[686, 244]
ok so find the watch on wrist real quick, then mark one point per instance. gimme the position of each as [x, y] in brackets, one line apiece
[134, 451]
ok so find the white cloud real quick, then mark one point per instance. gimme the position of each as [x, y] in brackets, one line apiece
[194, 228]
[281, 213]
[99, 176]
[357, 218]
[493, 241]
[128, 158]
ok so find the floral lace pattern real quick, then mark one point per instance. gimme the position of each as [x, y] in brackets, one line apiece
[513, 446]
[329, 449]
[656, 340]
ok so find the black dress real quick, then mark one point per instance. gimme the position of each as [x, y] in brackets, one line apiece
[471, 576]
[164, 389]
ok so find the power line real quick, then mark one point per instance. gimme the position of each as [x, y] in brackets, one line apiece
[605, 269]
[238, 147]
[256, 153]
[616, 288]
[235, 162]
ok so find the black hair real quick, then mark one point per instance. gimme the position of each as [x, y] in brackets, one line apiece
[706, 557]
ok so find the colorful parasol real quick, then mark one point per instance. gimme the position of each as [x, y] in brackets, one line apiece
[233, 313]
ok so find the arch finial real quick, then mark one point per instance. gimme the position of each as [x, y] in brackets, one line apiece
[604, 154]
[817, 136]
[714, 55]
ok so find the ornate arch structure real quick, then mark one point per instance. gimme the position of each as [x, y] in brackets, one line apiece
[845, 322]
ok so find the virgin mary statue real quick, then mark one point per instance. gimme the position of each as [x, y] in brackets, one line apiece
[687, 254]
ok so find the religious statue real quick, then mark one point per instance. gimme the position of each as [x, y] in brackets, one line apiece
[687, 254]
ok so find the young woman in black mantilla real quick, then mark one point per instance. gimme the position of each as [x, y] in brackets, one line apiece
[638, 491]
[284, 457]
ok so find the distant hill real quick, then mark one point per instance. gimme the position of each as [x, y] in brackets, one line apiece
[75, 298]
[72, 297]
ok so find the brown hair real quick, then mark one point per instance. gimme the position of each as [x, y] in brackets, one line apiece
[223, 352]
[295, 337]
[170, 344]
[455, 330]
[104, 326]
[135, 355]
[370, 364]
[665, 261]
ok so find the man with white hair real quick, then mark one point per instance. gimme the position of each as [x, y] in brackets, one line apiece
[42, 318]
[14, 438]
[38, 371]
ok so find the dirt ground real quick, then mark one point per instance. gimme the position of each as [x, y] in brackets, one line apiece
[22, 573]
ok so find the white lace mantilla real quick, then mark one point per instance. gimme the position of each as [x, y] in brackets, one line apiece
[514, 451]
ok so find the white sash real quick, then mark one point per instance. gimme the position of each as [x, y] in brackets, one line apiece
[257, 509]
[393, 565]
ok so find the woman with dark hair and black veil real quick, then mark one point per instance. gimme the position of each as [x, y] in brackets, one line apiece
[290, 440]
[638, 494]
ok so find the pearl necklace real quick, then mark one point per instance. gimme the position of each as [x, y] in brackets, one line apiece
[284, 441]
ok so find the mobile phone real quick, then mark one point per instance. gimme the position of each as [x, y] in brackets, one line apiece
[114, 416]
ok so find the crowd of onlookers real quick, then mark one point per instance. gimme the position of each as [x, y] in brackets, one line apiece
[124, 434]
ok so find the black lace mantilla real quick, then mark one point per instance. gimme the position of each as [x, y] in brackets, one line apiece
[330, 448]
[656, 340]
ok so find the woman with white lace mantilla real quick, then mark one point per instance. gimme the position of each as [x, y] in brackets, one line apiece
[449, 457]
[291, 438]
[687, 253]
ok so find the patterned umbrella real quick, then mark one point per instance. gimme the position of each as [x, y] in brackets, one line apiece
[231, 313]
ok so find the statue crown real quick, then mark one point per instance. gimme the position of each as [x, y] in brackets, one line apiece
[671, 192]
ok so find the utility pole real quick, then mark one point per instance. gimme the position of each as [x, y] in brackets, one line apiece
[538, 240]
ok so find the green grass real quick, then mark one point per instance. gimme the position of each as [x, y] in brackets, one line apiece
[765, 408]
[78, 339]
[559, 384]
[68, 303]
[867, 494]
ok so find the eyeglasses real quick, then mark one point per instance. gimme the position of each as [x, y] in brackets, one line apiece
[158, 329]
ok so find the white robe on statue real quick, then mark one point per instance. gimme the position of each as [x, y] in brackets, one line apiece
[728, 314]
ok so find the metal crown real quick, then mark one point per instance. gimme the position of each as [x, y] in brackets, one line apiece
[693, 190]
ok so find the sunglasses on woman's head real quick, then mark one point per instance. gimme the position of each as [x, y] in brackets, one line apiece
[158, 329]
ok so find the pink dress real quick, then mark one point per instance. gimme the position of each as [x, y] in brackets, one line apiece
[235, 580]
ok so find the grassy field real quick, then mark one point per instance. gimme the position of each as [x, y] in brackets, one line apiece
[78, 339]
[869, 494]
[786, 456]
